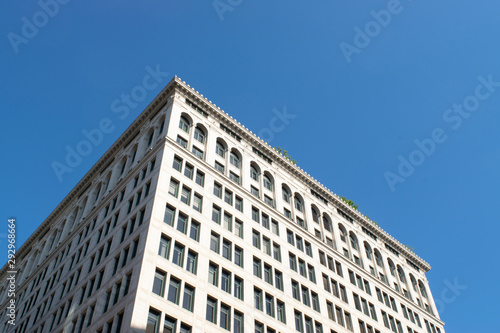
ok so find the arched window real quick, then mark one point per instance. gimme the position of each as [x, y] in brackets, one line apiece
[254, 173]
[299, 204]
[401, 274]
[234, 159]
[162, 125]
[414, 283]
[343, 233]
[286, 194]
[184, 124]
[134, 154]
[354, 240]
[122, 165]
[220, 150]
[199, 135]
[268, 183]
[422, 289]
[392, 268]
[368, 250]
[315, 214]
[150, 138]
[378, 258]
[326, 223]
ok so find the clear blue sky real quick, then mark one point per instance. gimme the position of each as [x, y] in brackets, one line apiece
[364, 80]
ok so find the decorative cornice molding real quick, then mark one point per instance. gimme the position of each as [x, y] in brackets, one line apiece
[162, 99]
[295, 170]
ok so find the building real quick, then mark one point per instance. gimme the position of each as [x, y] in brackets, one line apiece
[191, 223]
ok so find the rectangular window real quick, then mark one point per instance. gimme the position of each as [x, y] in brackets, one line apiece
[269, 201]
[170, 324]
[228, 197]
[277, 252]
[192, 262]
[214, 243]
[343, 293]
[213, 274]
[226, 281]
[268, 274]
[308, 249]
[315, 301]
[228, 222]
[266, 245]
[305, 296]
[159, 283]
[302, 268]
[269, 305]
[348, 321]
[293, 261]
[216, 214]
[197, 202]
[312, 273]
[178, 256]
[218, 190]
[188, 301]
[330, 310]
[226, 249]
[177, 165]
[186, 195]
[188, 171]
[255, 215]
[197, 152]
[182, 222]
[238, 256]
[194, 232]
[200, 178]
[275, 227]
[181, 141]
[256, 239]
[299, 324]
[254, 191]
[309, 325]
[225, 316]
[238, 322]
[173, 188]
[257, 267]
[211, 310]
[169, 215]
[257, 293]
[238, 203]
[259, 327]
[219, 167]
[280, 311]
[174, 290]
[340, 316]
[238, 228]
[238, 287]
[153, 324]
[289, 237]
[295, 290]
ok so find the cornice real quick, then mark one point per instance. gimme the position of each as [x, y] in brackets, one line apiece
[296, 171]
[176, 84]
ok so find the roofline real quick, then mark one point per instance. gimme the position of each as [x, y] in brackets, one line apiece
[176, 84]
